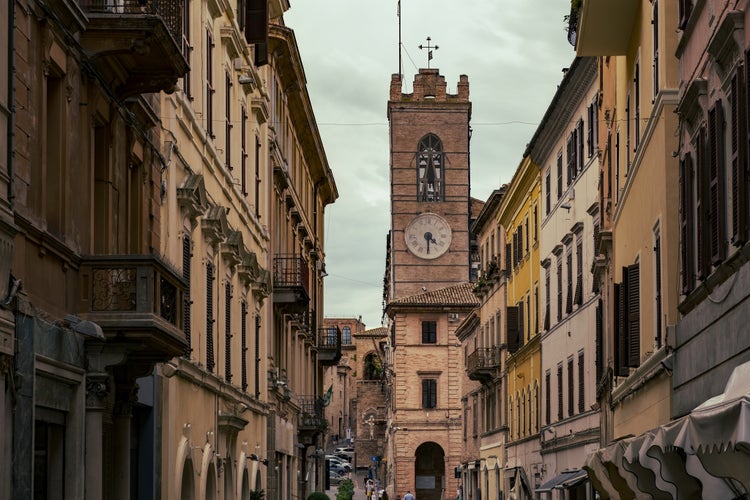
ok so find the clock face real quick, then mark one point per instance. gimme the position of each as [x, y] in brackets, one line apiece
[428, 236]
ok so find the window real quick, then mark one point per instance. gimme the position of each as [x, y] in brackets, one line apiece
[579, 272]
[739, 155]
[429, 332]
[571, 156]
[559, 391]
[548, 398]
[592, 130]
[346, 336]
[569, 297]
[655, 37]
[257, 178]
[547, 293]
[209, 85]
[559, 289]
[243, 150]
[637, 105]
[657, 287]
[627, 317]
[187, 49]
[684, 8]
[228, 332]
[581, 387]
[701, 205]
[256, 356]
[571, 392]
[186, 257]
[536, 309]
[599, 341]
[514, 336]
[548, 192]
[628, 131]
[579, 146]
[559, 175]
[243, 344]
[595, 282]
[228, 122]
[716, 178]
[210, 317]
[429, 394]
[430, 169]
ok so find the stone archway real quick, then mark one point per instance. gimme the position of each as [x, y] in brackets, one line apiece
[429, 471]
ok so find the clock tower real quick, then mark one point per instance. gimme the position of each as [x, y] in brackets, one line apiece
[430, 204]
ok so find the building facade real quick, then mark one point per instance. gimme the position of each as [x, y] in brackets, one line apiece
[484, 344]
[566, 146]
[427, 293]
[162, 241]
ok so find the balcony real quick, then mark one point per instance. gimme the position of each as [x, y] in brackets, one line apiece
[312, 419]
[137, 301]
[483, 364]
[291, 284]
[604, 26]
[136, 45]
[329, 345]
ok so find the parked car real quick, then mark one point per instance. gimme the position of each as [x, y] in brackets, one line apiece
[340, 462]
[335, 478]
[342, 449]
[338, 469]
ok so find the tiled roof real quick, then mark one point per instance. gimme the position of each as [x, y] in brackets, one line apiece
[380, 331]
[455, 295]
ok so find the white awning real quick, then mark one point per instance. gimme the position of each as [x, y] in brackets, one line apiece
[707, 450]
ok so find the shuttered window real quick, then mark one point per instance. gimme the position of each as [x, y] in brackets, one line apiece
[634, 316]
[209, 85]
[210, 317]
[228, 122]
[243, 150]
[687, 265]
[508, 257]
[581, 384]
[559, 289]
[429, 394]
[716, 181]
[684, 8]
[548, 192]
[559, 176]
[739, 157]
[186, 302]
[579, 146]
[599, 341]
[595, 282]
[547, 293]
[702, 232]
[511, 317]
[579, 272]
[637, 106]
[621, 338]
[559, 391]
[657, 287]
[548, 398]
[571, 387]
[256, 357]
[569, 297]
[228, 332]
[521, 325]
[243, 344]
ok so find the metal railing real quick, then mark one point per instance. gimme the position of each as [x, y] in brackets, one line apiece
[170, 11]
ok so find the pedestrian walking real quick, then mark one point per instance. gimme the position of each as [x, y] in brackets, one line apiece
[408, 495]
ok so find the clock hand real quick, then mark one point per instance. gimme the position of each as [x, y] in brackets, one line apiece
[428, 237]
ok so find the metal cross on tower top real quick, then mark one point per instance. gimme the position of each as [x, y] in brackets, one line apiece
[429, 50]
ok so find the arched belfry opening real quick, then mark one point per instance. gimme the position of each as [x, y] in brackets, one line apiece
[429, 471]
[430, 169]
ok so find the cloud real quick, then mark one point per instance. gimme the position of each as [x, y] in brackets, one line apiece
[513, 53]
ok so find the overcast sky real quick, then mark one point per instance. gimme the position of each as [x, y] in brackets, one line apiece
[513, 53]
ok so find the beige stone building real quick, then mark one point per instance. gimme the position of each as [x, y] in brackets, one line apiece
[161, 239]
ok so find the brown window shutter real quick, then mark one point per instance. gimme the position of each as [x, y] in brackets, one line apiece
[716, 169]
[687, 241]
[739, 158]
[521, 329]
[228, 332]
[210, 317]
[559, 392]
[702, 235]
[634, 316]
[186, 257]
[571, 387]
[243, 345]
[256, 21]
[508, 257]
[511, 317]
[548, 402]
[579, 274]
[569, 297]
[581, 384]
[621, 338]
[599, 342]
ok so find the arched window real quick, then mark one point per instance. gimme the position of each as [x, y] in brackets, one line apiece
[373, 367]
[430, 185]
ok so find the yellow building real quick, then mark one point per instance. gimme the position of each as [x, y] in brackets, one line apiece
[519, 217]
[641, 199]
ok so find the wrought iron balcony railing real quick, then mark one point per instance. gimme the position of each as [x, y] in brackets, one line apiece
[329, 345]
[312, 415]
